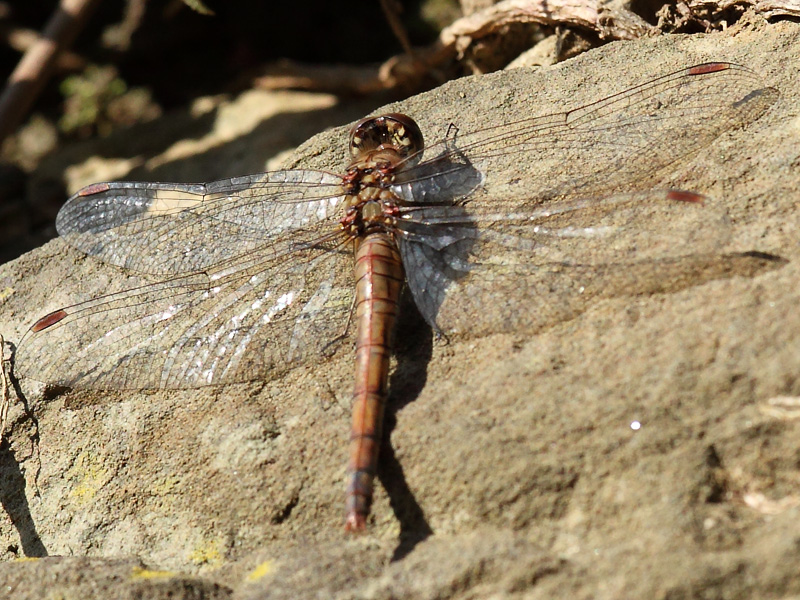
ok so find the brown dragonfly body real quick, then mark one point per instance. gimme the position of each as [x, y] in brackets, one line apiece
[379, 146]
[251, 270]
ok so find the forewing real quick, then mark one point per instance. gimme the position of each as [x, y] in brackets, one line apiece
[175, 229]
[632, 136]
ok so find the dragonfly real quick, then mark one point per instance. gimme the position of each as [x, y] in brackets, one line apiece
[251, 275]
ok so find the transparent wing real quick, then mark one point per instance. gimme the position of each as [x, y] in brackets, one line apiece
[631, 136]
[241, 322]
[512, 271]
[257, 278]
[527, 217]
[174, 229]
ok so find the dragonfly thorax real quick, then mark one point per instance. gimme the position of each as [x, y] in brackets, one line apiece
[373, 209]
[370, 203]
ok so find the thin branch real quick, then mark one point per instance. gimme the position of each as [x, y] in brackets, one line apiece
[21, 40]
[4, 395]
[34, 68]
[391, 10]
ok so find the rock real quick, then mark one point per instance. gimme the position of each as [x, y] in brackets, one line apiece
[646, 448]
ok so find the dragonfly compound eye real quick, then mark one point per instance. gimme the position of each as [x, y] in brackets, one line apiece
[394, 131]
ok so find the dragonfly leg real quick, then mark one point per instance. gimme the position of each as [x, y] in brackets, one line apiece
[343, 333]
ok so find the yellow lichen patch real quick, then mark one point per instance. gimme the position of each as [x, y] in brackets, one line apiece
[262, 570]
[164, 486]
[139, 573]
[90, 474]
[6, 293]
[208, 552]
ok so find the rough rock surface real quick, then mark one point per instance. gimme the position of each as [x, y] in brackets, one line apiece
[511, 467]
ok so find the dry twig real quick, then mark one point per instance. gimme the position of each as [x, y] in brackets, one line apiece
[4, 396]
[21, 40]
[33, 70]
[406, 71]
[391, 10]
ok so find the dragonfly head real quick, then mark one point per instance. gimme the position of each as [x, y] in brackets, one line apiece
[393, 133]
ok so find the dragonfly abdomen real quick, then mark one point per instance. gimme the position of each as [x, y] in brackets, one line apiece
[379, 281]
